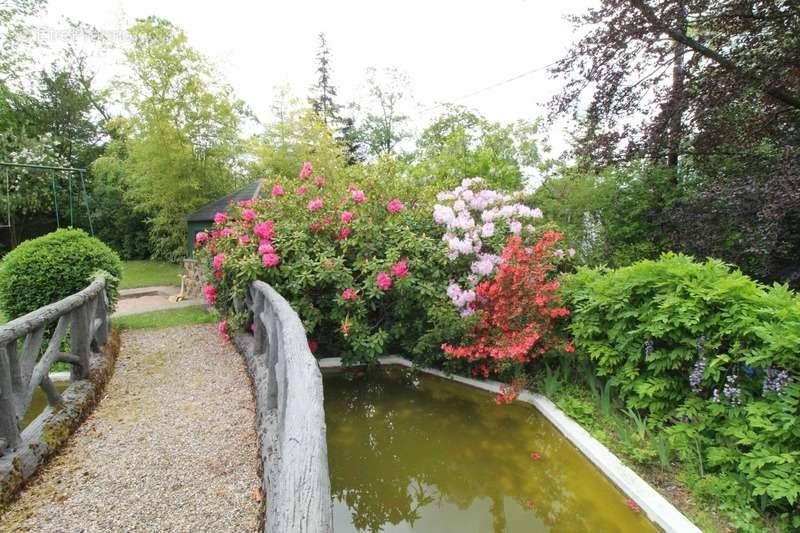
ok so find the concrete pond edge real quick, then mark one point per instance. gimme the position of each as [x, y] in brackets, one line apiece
[51, 430]
[657, 508]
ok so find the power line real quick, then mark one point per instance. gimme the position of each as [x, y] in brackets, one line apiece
[490, 87]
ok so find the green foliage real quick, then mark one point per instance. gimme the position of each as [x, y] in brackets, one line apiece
[462, 143]
[69, 110]
[384, 118]
[297, 135]
[44, 270]
[699, 346]
[182, 140]
[16, 37]
[551, 382]
[116, 219]
[54, 118]
[167, 318]
[579, 409]
[675, 305]
[611, 216]
[317, 264]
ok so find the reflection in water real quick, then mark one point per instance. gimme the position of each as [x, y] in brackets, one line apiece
[39, 402]
[411, 452]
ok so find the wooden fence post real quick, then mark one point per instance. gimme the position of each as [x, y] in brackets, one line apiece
[80, 341]
[99, 321]
[9, 425]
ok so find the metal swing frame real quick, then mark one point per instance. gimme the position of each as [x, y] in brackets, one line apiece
[81, 172]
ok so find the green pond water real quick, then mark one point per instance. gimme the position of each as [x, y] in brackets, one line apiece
[39, 402]
[412, 452]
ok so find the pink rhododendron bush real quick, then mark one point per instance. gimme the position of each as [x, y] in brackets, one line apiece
[369, 269]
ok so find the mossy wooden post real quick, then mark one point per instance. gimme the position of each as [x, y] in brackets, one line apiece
[80, 341]
[100, 322]
[9, 427]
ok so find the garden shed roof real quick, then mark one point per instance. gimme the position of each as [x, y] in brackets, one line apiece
[207, 212]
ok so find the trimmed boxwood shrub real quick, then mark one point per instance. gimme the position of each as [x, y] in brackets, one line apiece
[44, 270]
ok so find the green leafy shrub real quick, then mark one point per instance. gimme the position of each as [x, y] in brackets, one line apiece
[44, 270]
[650, 325]
[713, 357]
[365, 271]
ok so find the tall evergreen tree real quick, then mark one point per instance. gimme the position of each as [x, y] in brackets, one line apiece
[324, 92]
[323, 103]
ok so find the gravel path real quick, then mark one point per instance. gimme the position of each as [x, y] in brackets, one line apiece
[171, 447]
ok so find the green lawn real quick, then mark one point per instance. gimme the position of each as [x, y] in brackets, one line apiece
[137, 274]
[182, 316]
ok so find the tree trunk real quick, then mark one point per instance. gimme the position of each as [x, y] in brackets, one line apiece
[677, 98]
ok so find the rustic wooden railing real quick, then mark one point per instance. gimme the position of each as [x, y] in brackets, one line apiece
[84, 315]
[290, 416]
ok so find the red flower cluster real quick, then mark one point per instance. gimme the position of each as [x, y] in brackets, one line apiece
[519, 306]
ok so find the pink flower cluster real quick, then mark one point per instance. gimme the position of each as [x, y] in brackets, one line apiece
[394, 206]
[384, 281]
[343, 234]
[211, 294]
[307, 169]
[217, 262]
[264, 230]
[222, 328]
[315, 204]
[473, 216]
[270, 260]
[399, 270]
[357, 195]
[461, 298]
[349, 294]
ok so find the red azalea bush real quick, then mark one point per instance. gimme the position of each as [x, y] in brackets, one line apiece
[517, 309]
[519, 306]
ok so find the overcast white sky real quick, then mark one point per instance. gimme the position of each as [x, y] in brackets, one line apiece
[449, 49]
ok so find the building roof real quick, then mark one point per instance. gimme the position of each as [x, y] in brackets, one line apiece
[207, 212]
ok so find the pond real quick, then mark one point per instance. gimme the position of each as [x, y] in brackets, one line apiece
[39, 402]
[413, 452]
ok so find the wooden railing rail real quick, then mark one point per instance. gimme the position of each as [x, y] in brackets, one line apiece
[292, 419]
[84, 316]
